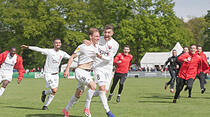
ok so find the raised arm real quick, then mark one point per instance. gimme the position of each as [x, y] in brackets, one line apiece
[34, 48]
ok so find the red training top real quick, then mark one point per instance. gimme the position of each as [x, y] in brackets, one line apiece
[205, 65]
[190, 68]
[18, 65]
[126, 61]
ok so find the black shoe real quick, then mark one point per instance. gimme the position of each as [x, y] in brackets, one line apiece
[185, 89]
[44, 108]
[174, 101]
[189, 96]
[118, 99]
[203, 90]
[110, 97]
[43, 96]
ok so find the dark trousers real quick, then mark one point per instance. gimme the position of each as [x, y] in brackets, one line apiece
[173, 74]
[180, 84]
[202, 79]
[117, 77]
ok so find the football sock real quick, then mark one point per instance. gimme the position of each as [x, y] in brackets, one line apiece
[96, 93]
[71, 102]
[103, 98]
[49, 100]
[2, 90]
[89, 97]
[47, 92]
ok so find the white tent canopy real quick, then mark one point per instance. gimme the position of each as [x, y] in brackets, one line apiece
[150, 59]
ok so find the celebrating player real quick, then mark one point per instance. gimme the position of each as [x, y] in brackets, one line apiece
[86, 55]
[123, 62]
[51, 69]
[8, 61]
[103, 69]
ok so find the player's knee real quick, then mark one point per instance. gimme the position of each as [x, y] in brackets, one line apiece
[102, 88]
[93, 86]
[5, 83]
[54, 91]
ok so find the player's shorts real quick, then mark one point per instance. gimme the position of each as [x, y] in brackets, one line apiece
[103, 77]
[83, 77]
[4, 75]
[52, 80]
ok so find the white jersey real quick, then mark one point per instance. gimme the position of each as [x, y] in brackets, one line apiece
[85, 53]
[108, 49]
[9, 63]
[53, 59]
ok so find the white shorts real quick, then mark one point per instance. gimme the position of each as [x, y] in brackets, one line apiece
[52, 81]
[103, 77]
[83, 77]
[4, 75]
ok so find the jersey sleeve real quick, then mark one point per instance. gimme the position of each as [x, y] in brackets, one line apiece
[78, 50]
[43, 51]
[66, 56]
[116, 59]
[112, 53]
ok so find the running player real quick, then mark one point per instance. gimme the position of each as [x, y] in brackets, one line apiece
[86, 55]
[8, 61]
[51, 69]
[102, 69]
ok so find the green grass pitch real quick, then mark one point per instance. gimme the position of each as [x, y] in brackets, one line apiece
[142, 97]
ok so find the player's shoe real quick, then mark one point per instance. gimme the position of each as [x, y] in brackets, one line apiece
[166, 85]
[189, 96]
[66, 113]
[203, 90]
[43, 96]
[87, 112]
[110, 114]
[110, 97]
[44, 108]
[185, 89]
[174, 101]
[118, 99]
[172, 90]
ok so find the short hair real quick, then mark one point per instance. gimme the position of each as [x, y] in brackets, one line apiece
[126, 46]
[93, 30]
[174, 50]
[199, 46]
[13, 48]
[56, 39]
[193, 45]
[109, 26]
[186, 47]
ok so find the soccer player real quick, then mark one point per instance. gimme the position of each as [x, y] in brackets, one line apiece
[86, 55]
[123, 62]
[103, 69]
[173, 69]
[204, 69]
[191, 66]
[51, 69]
[8, 61]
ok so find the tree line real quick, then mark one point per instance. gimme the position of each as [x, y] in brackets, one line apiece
[144, 25]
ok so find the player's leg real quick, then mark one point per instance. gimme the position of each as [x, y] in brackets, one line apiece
[114, 83]
[4, 85]
[173, 77]
[189, 86]
[52, 82]
[202, 82]
[180, 85]
[121, 83]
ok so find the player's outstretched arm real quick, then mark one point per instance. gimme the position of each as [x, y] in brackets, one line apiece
[24, 46]
[34, 48]
[66, 73]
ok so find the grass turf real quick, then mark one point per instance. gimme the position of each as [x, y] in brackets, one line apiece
[143, 97]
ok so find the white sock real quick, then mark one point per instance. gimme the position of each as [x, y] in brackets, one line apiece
[96, 93]
[118, 95]
[71, 102]
[47, 92]
[2, 90]
[102, 95]
[89, 97]
[49, 100]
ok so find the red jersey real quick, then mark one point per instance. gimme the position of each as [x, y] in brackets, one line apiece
[205, 65]
[18, 65]
[126, 61]
[191, 68]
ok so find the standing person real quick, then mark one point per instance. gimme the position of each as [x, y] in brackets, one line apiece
[204, 69]
[8, 61]
[123, 62]
[191, 66]
[102, 69]
[83, 70]
[51, 69]
[173, 69]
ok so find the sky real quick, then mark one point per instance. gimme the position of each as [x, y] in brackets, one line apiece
[187, 9]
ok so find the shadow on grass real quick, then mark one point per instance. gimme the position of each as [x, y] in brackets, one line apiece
[49, 115]
[27, 108]
[155, 102]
